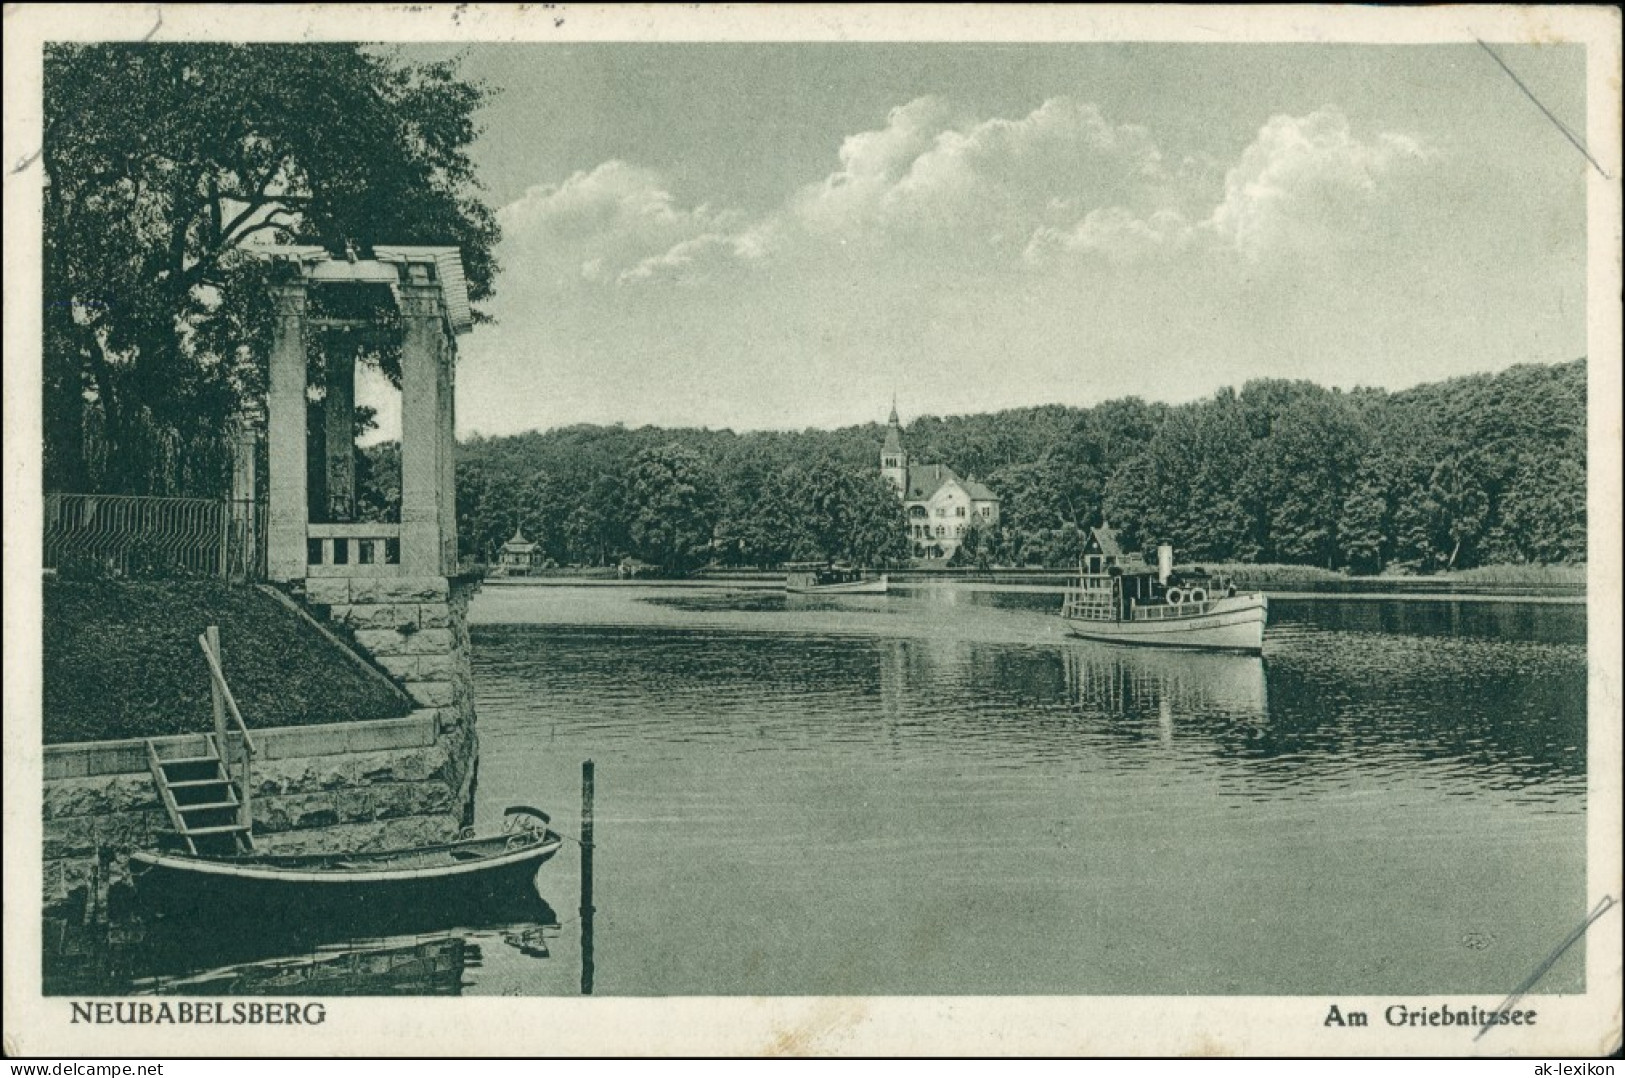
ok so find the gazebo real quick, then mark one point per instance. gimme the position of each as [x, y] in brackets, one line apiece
[519, 555]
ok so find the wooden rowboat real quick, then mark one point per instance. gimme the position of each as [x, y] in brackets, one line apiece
[444, 876]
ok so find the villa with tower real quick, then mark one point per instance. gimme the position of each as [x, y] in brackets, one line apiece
[939, 505]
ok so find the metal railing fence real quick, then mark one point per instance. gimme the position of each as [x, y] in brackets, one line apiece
[140, 536]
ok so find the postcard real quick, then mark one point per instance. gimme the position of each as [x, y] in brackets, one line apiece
[737, 530]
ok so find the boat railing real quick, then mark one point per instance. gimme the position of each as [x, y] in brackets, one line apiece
[1087, 605]
[225, 704]
[1160, 611]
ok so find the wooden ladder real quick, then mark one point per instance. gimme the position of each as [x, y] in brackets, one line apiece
[204, 804]
[211, 813]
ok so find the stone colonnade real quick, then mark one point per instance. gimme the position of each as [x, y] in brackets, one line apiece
[426, 286]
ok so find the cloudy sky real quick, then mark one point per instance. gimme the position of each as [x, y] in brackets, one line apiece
[782, 236]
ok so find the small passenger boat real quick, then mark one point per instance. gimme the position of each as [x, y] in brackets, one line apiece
[463, 872]
[821, 578]
[1122, 600]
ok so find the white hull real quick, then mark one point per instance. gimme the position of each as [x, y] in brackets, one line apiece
[1231, 624]
[853, 587]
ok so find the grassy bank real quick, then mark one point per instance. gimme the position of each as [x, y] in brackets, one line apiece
[1562, 576]
[122, 660]
[1519, 577]
[1271, 576]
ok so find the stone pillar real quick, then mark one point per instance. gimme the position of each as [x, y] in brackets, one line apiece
[423, 343]
[448, 453]
[244, 491]
[285, 555]
[339, 436]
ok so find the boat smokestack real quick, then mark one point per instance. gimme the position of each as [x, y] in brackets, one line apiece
[1165, 562]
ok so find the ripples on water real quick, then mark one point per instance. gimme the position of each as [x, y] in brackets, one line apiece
[1340, 690]
[938, 791]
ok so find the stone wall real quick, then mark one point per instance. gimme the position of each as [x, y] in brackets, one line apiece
[415, 628]
[381, 784]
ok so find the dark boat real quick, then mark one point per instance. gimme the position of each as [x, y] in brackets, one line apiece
[823, 578]
[462, 874]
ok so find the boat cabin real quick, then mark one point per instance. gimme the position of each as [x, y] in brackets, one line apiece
[1117, 586]
[1109, 580]
[1102, 552]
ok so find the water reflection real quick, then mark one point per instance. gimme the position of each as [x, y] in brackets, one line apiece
[1321, 705]
[1551, 623]
[817, 798]
[1122, 681]
[763, 599]
[1342, 806]
[431, 967]
[400, 952]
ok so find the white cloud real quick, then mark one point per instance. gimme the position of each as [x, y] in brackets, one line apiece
[1307, 181]
[872, 163]
[602, 223]
[934, 174]
[613, 196]
[1115, 233]
[707, 249]
[1306, 184]
[1061, 182]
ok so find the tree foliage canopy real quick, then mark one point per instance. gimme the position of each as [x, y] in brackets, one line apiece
[164, 163]
[1489, 468]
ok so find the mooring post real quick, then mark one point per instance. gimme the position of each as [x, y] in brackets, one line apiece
[212, 635]
[586, 908]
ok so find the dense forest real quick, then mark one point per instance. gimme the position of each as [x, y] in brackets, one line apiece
[1471, 471]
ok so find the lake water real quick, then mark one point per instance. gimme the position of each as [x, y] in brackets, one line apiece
[939, 792]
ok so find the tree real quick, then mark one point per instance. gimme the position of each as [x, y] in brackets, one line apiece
[1282, 470]
[846, 513]
[378, 483]
[1024, 504]
[1190, 486]
[1306, 464]
[1543, 512]
[823, 504]
[763, 526]
[1439, 518]
[672, 497]
[1076, 470]
[1458, 505]
[1364, 524]
[1133, 502]
[595, 523]
[165, 163]
[876, 529]
[977, 546]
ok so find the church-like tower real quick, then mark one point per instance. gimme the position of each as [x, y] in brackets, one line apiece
[893, 459]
